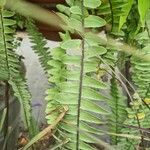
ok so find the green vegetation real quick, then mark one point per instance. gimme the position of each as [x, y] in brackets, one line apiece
[99, 86]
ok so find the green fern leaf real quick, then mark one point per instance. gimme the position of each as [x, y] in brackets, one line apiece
[65, 76]
[10, 68]
[117, 104]
[39, 42]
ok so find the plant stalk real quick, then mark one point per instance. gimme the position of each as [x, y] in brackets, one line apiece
[81, 79]
[7, 88]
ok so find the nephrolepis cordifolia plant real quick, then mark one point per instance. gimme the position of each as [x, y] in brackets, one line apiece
[99, 93]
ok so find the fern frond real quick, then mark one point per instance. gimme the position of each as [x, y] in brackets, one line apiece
[11, 66]
[141, 70]
[65, 92]
[118, 106]
[5, 40]
[65, 74]
[39, 42]
[141, 76]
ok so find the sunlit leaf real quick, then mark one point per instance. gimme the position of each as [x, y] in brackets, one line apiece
[92, 3]
[143, 6]
[94, 21]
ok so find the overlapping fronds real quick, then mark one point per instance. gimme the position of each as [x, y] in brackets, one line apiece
[112, 10]
[73, 72]
[137, 119]
[66, 90]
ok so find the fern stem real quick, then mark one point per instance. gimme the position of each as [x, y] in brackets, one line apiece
[81, 79]
[7, 109]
